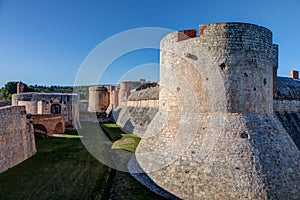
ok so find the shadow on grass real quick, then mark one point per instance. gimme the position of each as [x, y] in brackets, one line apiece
[61, 169]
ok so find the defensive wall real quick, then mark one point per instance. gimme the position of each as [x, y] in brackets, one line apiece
[48, 124]
[135, 114]
[50, 103]
[287, 106]
[221, 124]
[214, 134]
[144, 104]
[16, 136]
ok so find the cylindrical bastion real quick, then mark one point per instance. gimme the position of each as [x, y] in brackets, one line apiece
[215, 135]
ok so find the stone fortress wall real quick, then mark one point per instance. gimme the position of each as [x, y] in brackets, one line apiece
[216, 100]
[49, 103]
[16, 136]
[211, 120]
[287, 105]
[137, 112]
[33, 113]
[60, 107]
[220, 124]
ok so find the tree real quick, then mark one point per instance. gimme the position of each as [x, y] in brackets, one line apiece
[9, 89]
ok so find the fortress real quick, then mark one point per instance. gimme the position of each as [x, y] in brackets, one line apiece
[51, 113]
[31, 114]
[221, 125]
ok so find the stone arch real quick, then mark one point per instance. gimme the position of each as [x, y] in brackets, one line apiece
[40, 130]
[56, 108]
[59, 128]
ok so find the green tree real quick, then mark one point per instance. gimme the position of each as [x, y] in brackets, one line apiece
[9, 89]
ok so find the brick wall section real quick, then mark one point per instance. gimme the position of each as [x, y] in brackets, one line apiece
[294, 74]
[16, 137]
[185, 34]
[54, 123]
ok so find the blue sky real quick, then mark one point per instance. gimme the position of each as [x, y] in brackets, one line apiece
[45, 41]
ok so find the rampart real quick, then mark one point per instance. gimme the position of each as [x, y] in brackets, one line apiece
[221, 125]
[287, 106]
[214, 135]
[137, 112]
[16, 137]
[50, 103]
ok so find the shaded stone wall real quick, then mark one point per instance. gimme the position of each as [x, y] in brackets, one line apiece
[290, 120]
[137, 113]
[16, 137]
[287, 106]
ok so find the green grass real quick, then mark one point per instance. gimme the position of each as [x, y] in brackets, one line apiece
[112, 130]
[61, 169]
[128, 142]
[120, 139]
[66, 136]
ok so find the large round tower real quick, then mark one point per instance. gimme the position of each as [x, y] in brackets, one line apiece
[215, 136]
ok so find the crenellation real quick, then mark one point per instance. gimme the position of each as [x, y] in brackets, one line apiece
[185, 34]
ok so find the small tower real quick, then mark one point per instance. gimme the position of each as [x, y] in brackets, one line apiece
[294, 74]
[20, 87]
[98, 99]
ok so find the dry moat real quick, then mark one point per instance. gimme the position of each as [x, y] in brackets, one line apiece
[62, 168]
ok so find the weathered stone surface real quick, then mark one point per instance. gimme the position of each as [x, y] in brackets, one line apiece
[43, 103]
[138, 111]
[151, 93]
[53, 123]
[215, 135]
[98, 99]
[290, 120]
[16, 137]
[288, 88]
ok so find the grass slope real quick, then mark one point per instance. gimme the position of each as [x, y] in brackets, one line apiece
[128, 142]
[112, 130]
[120, 139]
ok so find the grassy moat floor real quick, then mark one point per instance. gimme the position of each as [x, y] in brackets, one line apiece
[62, 168]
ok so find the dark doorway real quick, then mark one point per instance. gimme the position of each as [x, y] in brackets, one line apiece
[55, 109]
[59, 128]
[40, 131]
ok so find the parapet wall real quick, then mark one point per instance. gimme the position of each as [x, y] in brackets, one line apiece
[136, 114]
[16, 137]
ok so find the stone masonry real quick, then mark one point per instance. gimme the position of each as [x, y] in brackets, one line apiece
[16, 137]
[50, 103]
[220, 124]
[215, 135]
